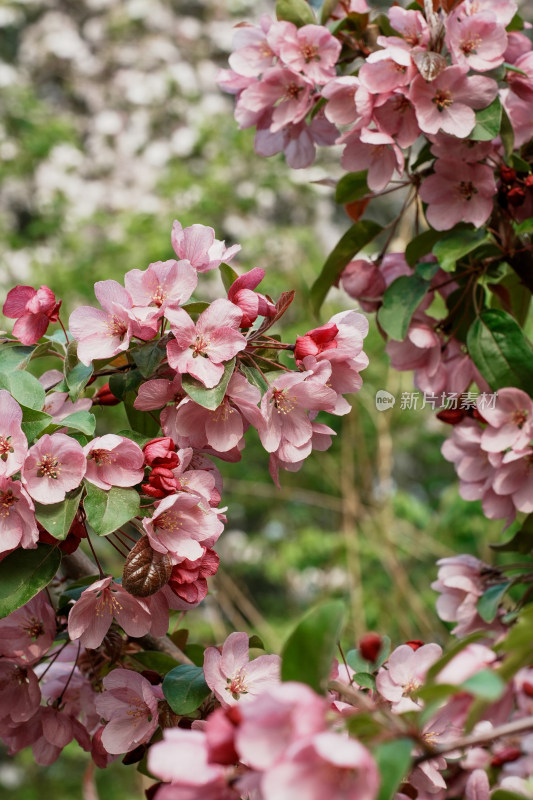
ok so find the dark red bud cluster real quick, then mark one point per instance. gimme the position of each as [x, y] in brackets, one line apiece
[77, 532]
[370, 646]
[105, 397]
[160, 454]
[513, 188]
[414, 644]
[452, 416]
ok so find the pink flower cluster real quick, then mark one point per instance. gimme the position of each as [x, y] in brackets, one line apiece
[494, 458]
[422, 80]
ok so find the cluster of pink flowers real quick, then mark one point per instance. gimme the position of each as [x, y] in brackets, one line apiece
[422, 81]
[493, 455]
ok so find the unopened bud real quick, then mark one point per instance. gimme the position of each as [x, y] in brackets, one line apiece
[370, 646]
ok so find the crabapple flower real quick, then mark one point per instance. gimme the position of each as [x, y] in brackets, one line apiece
[478, 42]
[163, 284]
[33, 309]
[20, 694]
[91, 616]
[13, 442]
[297, 141]
[375, 151]
[129, 703]
[461, 581]
[510, 422]
[160, 452]
[182, 758]
[59, 405]
[456, 195]
[404, 672]
[233, 677]
[201, 350]
[448, 102]
[284, 93]
[363, 280]
[252, 304]
[18, 527]
[113, 461]
[103, 333]
[183, 526]
[197, 244]
[326, 765]
[54, 465]
[310, 49]
[158, 392]
[252, 54]
[27, 633]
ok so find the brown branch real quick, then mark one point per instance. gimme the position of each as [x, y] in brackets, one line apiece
[78, 565]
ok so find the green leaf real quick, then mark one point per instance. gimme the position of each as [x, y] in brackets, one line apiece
[489, 602]
[363, 726]
[57, 518]
[453, 246]
[307, 653]
[185, 688]
[255, 641]
[24, 387]
[297, 11]
[365, 680]
[138, 438]
[148, 357]
[522, 541]
[328, 7]
[153, 659]
[82, 421]
[352, 186]
[525, 227]
[228, 276]
[123, 382]
[485, 684]
[23, 573]
[14, 357]
[518, 163]
[34, 422]
[107, 511]
[142, 422]
[499, 349]
[208, 398]
[505, 794]
[346, 248]
[507, 134]
[516, 24]
[488, 121]
[254, 377]
[401, 299]
[394, 762]
[421, 246]
[196, 307]
[76, 373]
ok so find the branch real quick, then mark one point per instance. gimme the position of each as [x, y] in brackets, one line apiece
[78, 565]
[474, 739]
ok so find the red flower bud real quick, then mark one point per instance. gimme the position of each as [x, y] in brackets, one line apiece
[452, 416]
[507, 174]
[161, 452]
[414, 644]
[370, 645]
[505, 756]
[316, 341]
[516, 196]
[105, 397]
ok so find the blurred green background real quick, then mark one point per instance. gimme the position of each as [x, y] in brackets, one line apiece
[111, 127]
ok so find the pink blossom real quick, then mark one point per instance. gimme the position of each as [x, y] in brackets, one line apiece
[404, 672]
[13, 442]
[297, 141]
[375, 151]
[163, 284]
[510, 422]
[54, 465]
[461, 581]
[277, 719]
[456, 195]
[477, 786]
[183, 525]
[252, 53]
[59, 405]
[223, 428]
[477, 41]
[33, 309]
[447, 103]
[233, 677]
[157, 392]
[202, 349]
[285, 93]
[327, 765]
[522, 85]
[113, 461]
[161, 452]
[27, 633]
[252, 304]
[197, 244]
[342, 95]
[20, 694]
[386, 70]
[182, 757]
[104, 333]
[285, 408]
[129, 703]
[57, 729]
[363, 280]
[472, 659]
[310, 49]
[18, 527]
[515, 478]
[91, 616]
[315, 342]
[411, 24]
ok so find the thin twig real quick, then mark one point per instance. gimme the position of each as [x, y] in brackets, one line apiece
[475, 739]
